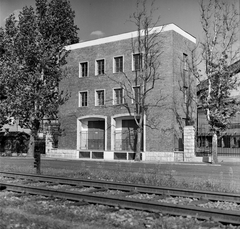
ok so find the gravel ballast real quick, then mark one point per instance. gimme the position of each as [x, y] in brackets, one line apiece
[33, 211]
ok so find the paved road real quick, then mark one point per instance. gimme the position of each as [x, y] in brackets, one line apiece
[228, 173]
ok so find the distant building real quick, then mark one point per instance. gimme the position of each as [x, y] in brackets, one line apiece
[94, 124]
[14, 139]
[229, 139]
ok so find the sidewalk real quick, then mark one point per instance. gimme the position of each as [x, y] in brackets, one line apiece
[221, 160]
[44, 157]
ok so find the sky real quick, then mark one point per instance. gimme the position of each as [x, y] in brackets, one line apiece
[102, 18]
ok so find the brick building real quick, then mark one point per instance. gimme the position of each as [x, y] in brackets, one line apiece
[93, 122]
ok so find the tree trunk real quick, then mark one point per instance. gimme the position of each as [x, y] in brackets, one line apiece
[31, 145]
[214, 149]
[138, 145]
[33, 137]
[32, 150]
[38, 167]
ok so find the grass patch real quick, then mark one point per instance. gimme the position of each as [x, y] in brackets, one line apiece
[155, 177]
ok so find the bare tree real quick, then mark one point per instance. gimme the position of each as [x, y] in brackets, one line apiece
[218, 51]
[146, 49]
[185, 111]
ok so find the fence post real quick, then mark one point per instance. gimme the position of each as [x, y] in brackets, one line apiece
[48, 140]
[214, 149]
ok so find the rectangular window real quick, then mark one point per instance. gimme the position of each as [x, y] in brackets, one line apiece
[137, 61]
[185, 63]
[100, 68]
[100, 98]
[118, 64]
[118, 96]
[84, 69]
[136, 96]
[83, 99]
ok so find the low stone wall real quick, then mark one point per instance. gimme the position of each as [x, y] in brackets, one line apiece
[228, 159]
[179, 156]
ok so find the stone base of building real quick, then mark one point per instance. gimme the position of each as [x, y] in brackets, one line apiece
[62, 153]
[160, 156]
[91, 154]
[194, 159]
[177, 156]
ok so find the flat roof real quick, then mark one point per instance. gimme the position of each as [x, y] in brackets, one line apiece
[129, 35]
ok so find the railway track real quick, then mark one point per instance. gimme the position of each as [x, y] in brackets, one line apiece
[120, 194]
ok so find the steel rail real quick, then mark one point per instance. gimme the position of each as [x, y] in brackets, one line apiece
[208, 195]
[230, 217]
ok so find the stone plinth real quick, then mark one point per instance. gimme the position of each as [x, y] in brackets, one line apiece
[189, 143]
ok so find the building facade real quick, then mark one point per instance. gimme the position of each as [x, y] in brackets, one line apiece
[95, 123]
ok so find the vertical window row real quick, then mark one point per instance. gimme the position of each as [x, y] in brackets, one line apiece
[185, 80]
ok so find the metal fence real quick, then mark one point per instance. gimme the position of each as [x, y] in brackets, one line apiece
[92, 140]
[125, 140]
[228, 143]
[204, 144]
